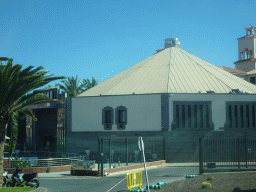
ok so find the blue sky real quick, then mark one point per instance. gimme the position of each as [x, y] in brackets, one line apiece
[101, 38]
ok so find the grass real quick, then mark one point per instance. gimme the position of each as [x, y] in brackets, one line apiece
[222, 182]
[16, 189]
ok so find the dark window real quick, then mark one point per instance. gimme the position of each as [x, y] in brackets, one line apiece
[252, 80]
[189, 116]
[192, 114]
[183, 115]
[195, 115]
[247, 116]
[108, 116]
[207, 116]
[177, 115]
[201, 115]
[241, 114]
[121, 116]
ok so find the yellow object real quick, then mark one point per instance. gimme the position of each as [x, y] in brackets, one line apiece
[134, 179]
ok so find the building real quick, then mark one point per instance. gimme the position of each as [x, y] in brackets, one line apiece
[172, 94]
[245, 67]
[48, 132]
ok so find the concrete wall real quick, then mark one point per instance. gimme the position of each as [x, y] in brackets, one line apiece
[246, 42]
[246, 65]
[180, 146]
[218, 104]
[143, 112]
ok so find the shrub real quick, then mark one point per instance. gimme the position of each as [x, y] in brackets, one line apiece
[20, 162]
[206, 185]
[210, 178]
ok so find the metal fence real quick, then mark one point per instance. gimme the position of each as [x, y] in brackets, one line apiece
[116, 152]
[227, 152]
[42, 154]
[50, 162]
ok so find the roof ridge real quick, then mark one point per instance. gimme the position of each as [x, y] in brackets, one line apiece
[189, 55]
[221, 71]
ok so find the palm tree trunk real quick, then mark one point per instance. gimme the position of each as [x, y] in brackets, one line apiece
[2, 139]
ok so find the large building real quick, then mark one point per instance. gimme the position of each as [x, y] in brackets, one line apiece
[172, 94]
[48, 132]
[245, 67]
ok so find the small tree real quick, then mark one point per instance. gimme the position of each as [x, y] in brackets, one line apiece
[72, 86]
[88, 85]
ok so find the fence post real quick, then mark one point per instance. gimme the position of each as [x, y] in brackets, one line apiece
[246, 151]
[110, 153]
[99, 154]
[201, 161]
[127, 151]
[102, 156]
[238, 152]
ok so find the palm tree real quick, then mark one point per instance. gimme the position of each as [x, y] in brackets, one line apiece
[72, 86]
[88, 84]
[18, 90]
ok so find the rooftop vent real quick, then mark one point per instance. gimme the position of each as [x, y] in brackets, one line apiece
[236, 91]
[171, 42]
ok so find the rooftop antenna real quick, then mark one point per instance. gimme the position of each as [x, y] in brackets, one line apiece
[171, 34]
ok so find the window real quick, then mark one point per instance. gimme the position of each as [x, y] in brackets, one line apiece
[240, 115]
[107, 117]
[192, 115]
[121, 117]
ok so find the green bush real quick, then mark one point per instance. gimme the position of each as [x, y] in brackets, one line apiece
[64, 156]
[20, 162]
[210, 178]
[206, 185]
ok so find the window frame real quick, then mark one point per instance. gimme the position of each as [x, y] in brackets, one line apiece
[107, 125]
[192, 115]
[240, 115]
[121, 125]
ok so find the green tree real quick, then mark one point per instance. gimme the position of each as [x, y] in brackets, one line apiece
[88, 85]
[14, 134]
[72, 86]
[19, 89]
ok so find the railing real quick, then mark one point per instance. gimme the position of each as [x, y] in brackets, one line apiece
[43, 154]
[227, 152]
[51, 162]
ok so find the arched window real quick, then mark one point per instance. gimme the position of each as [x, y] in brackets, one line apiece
[121, 117]
[241, 56]
[107, 117]
[245, 55]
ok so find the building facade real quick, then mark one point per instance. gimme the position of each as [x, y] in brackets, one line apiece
[48, 132]
[245, 67]
[172, 94]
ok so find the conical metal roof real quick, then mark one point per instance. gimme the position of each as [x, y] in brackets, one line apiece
[172, 70]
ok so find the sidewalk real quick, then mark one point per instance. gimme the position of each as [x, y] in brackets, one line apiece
[66, 174]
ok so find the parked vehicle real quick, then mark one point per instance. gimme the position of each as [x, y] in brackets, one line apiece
[27, 180]
[5, 177]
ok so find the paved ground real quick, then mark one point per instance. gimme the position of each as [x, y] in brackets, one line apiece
[67, 174]
[63, 181]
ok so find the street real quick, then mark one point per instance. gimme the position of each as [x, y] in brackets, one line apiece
[98, 184]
